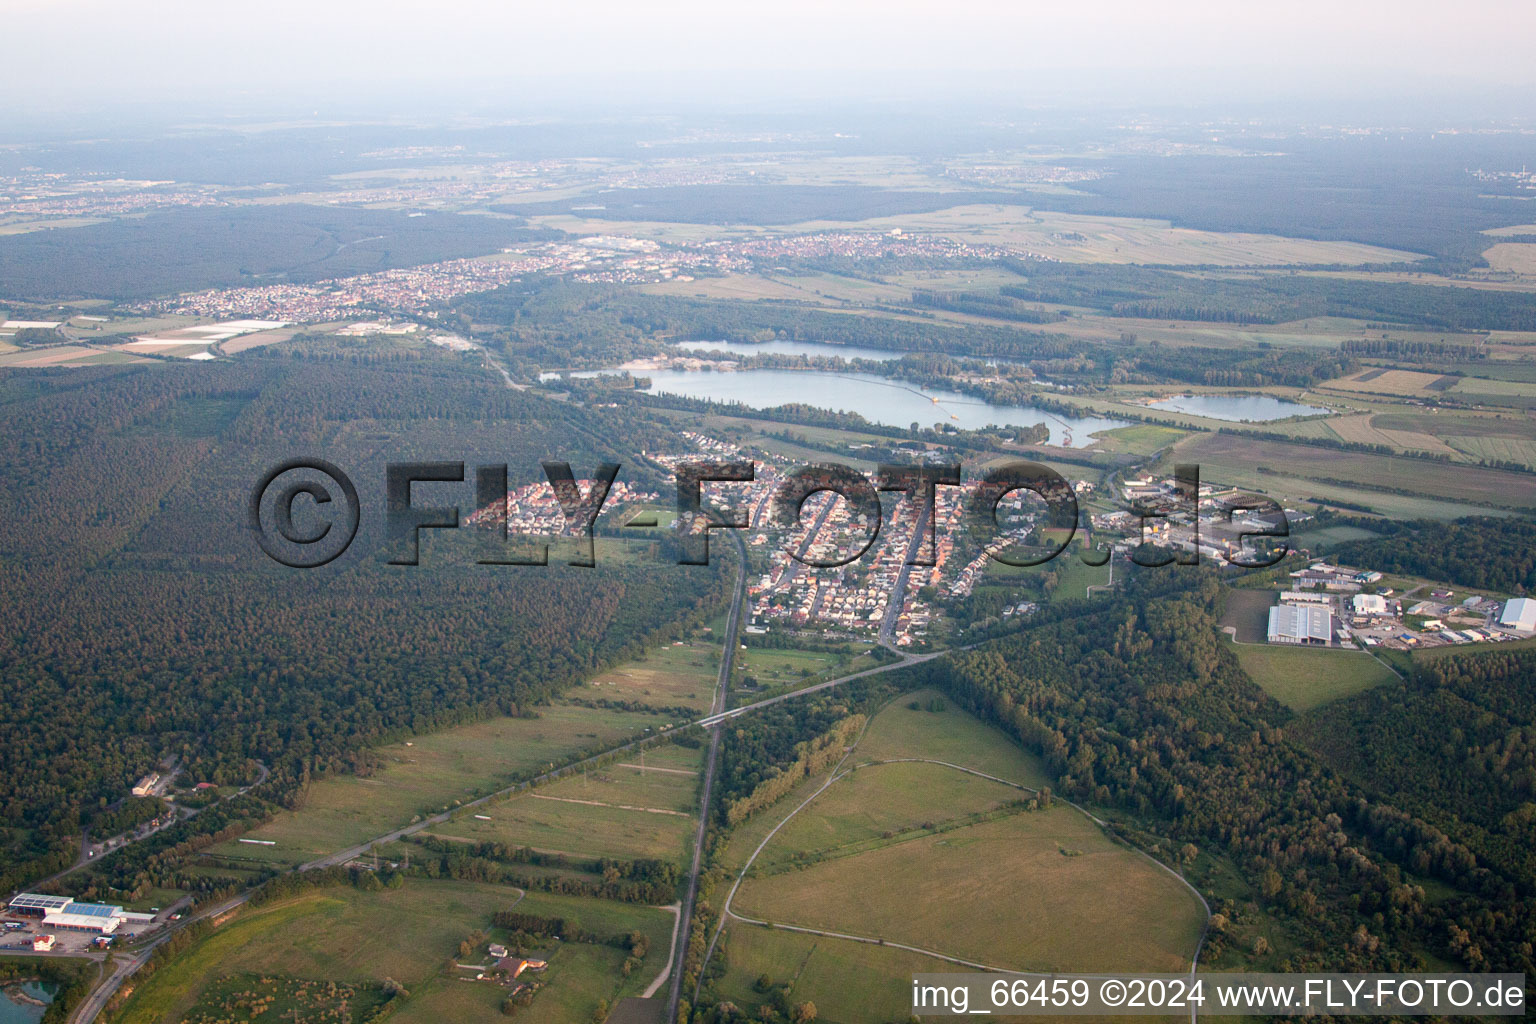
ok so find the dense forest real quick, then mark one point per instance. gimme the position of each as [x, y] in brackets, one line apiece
[142, 621]
[1454, 745]
[1141, 705]
[1490, 554]
[1248, 299]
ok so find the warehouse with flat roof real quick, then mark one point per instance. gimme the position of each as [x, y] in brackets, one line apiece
[1519, 615]
[1300, 624]
[64, 913]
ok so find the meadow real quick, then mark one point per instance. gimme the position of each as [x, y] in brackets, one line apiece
[355, 938]
[1306, 678]
[432, 773]
[680, 674]
[848, 982]
[614, 811]
[947, 734]
[342, 935]
[1043, 889]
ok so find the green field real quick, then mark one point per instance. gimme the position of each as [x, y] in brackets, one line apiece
[614, 811]
[681, 674]
[1033, 891]
[849, 982]
[1139, 439]
[773, 669]
[341, 935]
[949, 735]
[580, 975]
[1232, 459]
[1304, 678]
[881, 801]
[352, 938]
[1018, 889]
[432, 773]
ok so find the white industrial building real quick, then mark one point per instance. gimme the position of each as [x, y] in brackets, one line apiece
[1365, 605]
[1300, 624]
[63, 912]
[1519, 615]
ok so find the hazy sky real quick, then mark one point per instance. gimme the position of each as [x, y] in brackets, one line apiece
[67, 53]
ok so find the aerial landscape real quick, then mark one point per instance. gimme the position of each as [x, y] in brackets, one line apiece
[627, 540]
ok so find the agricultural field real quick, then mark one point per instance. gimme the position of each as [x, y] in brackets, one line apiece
[430, 774]
[1249, 460]
[1305, 678]
[1512, 258]
[624, 811]
[681, 674]
[1391, 382]
[1502, 449]
[1364, 428]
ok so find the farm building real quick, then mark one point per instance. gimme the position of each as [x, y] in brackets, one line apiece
[1300, 624]
[1519, 615]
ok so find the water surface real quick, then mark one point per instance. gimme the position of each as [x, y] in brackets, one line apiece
[24, 1011]
[879, 400]
[1238, 408]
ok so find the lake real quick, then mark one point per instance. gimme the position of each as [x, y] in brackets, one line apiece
[1238, 408]
[879, 400]
[22, 1011]
[789, 348]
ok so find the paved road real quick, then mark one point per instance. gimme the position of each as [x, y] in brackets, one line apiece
[124, 967]
[899, 591]
[711, 762]
[128, 838]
